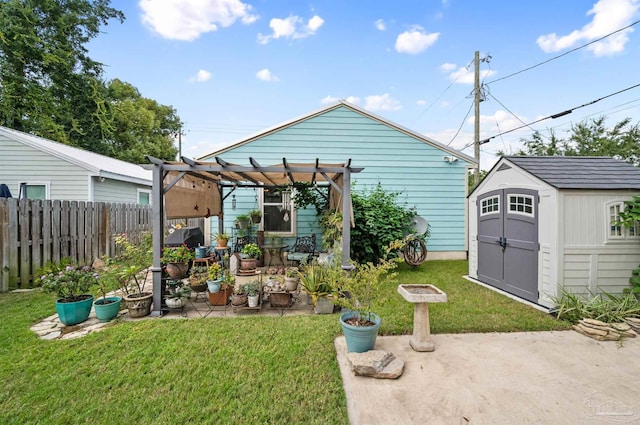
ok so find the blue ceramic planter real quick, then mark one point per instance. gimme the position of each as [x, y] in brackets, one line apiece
[74, 312]
[360, 338]
[106, 312]
[214, 285]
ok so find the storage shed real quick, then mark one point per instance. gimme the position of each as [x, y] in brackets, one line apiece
[539, 224]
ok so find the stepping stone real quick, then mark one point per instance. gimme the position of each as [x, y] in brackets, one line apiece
[376, 364]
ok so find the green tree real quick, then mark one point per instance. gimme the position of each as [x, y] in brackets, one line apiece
[139, 126]
[590, 138]
[47, 78]
[50, 87]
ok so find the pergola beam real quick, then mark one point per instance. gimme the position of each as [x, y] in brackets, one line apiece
[286, 167]
[256, 166]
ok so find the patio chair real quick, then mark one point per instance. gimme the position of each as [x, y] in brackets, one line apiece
[303, 249]
[241, 241]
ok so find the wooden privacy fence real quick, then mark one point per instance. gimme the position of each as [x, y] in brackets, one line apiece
[33, 232]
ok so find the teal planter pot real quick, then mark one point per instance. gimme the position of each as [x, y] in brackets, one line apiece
[360, 338]
[107, 308]
[74, 312]
[214, 285]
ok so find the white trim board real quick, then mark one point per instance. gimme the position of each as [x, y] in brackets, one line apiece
[506, 294]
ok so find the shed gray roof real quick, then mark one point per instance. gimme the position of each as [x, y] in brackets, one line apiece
[580, 172]
[98, 165]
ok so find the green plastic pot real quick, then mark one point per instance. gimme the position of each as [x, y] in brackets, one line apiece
[360, 338]
[72, 313]
[107, 308]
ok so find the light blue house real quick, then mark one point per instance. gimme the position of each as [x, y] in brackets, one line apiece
[430, 176]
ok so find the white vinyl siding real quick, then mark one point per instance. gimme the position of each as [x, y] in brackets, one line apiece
[110, 190]
[24, 164]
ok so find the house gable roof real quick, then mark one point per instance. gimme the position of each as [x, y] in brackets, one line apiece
[356, 109]
[99, 165]
[580, 172]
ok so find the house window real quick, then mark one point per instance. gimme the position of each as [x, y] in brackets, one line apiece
[278, 212]
[521, 204]
[34, 191]
[617, 230]
[490, 205]
[144, 197]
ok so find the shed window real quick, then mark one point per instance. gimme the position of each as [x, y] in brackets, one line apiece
[490, 205]
[278, 212]
[618, 231]
[521, 204]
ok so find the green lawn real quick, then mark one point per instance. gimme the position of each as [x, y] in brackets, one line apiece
[249, 370]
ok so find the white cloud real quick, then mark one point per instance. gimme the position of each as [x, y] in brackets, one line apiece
[291, 27]
[382, 102]
[201, 76]
[415, 41]
[332, 99]
[266, 75]
[608, 16]
[448, 67]
[498, 122]
[465, 75]
[421, 102]
[186, 20]
[380, 25]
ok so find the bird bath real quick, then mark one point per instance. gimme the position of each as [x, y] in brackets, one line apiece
[421, 295]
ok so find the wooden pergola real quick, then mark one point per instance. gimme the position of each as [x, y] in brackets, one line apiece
[175, 183]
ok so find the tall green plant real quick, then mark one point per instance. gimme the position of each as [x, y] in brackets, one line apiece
[379, 220]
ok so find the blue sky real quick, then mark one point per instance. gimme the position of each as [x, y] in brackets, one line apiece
[232, 68]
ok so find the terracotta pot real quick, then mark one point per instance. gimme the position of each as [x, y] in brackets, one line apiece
[248, 263]
[222, 243]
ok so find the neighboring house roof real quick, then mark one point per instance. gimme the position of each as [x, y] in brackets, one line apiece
[99, 165]
[580, 172]
[354, 108]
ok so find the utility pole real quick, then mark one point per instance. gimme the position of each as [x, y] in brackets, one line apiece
[180, 144]
[476, 123]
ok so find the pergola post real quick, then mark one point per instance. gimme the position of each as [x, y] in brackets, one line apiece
[157, 209]
[346, 219]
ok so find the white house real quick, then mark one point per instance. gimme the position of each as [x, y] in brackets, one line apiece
[539, 224]
[36, 168]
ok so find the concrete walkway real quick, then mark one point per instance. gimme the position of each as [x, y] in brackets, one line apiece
[507, 378]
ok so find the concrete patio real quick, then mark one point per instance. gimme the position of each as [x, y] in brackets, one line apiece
[500, 378]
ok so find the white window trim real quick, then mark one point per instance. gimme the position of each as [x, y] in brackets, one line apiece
[292, 216]
[482, 213]
[533, 207]
[139, 191]
[625, 236]
[46, 184]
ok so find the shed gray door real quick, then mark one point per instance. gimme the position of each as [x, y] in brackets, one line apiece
[508, 241]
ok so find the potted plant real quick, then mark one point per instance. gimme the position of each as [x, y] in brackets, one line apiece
[222, 297]
[215, 274]
[291, 279]
[129, 270]
[359, 289]
[242, 221]
[239, 297]
[72, 285]
[315, 281]
[107, 308]
[198, 278]
[252, 289]
[177, 293]
[256, 216]
[222, 240]
[177, 260]
[249, 256]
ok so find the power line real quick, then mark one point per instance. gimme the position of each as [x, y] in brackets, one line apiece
[561, 114]
[564, 54]
[461, 124]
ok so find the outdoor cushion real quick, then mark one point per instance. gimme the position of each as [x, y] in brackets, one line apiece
[298, 256]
